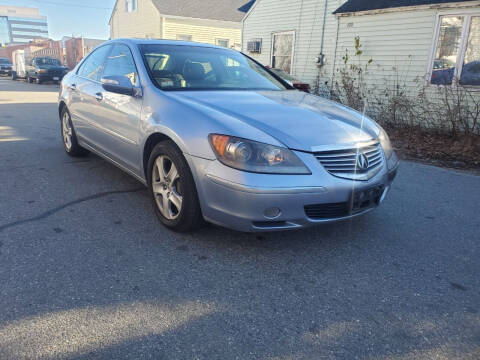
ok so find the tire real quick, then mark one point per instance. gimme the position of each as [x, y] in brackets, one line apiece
[69, 138]
[29, 80]
[163, 189]
[38, 81]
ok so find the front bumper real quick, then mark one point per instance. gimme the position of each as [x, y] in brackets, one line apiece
[50, 77]
[262, 202]
[5, 71]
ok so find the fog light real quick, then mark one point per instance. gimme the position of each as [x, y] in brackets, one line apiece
[272, 213]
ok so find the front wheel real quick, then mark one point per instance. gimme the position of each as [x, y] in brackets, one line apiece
[172, 189]
[38, 81]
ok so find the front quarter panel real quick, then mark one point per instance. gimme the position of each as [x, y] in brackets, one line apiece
[189, 125]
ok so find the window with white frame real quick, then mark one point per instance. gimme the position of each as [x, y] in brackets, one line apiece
[282, 50]
[456, 56]
[222, 42]
[131, 5]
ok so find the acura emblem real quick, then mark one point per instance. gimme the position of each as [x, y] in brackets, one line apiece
[362, 161]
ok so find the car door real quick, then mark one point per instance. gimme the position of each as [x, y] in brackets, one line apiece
[119, 113]
[84, 105]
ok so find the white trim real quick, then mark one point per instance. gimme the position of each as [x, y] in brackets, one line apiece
[226, 23]
[250, 10]
[467, 16]
[293, 47]
[463, 47]
[453, 5]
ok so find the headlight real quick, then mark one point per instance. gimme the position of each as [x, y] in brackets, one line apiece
[254, 156]
[385, 142]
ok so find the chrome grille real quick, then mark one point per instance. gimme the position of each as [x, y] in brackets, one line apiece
[344, 163]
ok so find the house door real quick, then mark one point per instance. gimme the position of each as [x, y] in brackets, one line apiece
[282, 50]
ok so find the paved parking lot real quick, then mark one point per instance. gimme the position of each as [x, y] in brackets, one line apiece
[87, 272]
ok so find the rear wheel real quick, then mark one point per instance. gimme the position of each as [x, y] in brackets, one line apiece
[70, 142]
[172, 189]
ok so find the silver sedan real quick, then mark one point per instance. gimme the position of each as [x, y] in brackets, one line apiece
[218, 137]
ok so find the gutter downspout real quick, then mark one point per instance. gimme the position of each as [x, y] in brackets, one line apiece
[323, 28]
[335, 52]
[162, 30]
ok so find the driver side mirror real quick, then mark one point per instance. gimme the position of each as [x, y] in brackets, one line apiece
[118, 84]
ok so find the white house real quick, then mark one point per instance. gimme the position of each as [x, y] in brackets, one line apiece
[412, 39]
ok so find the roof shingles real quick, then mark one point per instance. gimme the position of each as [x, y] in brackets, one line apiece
[226, 10]
[364, 5]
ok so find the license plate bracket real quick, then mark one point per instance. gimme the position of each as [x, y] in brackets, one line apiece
[365, 198]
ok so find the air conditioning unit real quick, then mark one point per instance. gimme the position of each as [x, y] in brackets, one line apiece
[254, 46]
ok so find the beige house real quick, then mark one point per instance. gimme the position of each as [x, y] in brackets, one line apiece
[209, 21]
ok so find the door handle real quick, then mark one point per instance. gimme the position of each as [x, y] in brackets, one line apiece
[99, 96]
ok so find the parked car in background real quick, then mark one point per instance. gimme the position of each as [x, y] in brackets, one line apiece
[5, 66]
[216, 136]
[42, 69]
[443, 73]
[470, 74]
[292, 80]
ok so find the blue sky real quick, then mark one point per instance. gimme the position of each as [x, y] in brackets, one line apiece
[88, 18]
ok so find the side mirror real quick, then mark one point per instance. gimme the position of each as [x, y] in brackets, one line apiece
[117, 84]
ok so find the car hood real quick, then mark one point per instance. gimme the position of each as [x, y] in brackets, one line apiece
[299, 120]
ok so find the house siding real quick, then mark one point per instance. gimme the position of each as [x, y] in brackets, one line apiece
[145, 22]
[398, 41]
[305, 17]
[205, 31]
[400, 44]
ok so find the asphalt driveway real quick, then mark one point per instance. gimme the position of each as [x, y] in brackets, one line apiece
[87, 272]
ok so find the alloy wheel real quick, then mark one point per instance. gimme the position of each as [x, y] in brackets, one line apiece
[167, 187]
[67, 131]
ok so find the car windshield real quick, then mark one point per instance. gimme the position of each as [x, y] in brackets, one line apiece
[5, 61]
[47, 61]
[182, 67]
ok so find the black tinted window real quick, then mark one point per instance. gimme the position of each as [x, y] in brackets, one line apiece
[92, 67]
[120, 63]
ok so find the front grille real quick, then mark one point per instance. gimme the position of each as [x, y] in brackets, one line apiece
[327, 211]
[55, 72]
[344, 163]
[360, 201]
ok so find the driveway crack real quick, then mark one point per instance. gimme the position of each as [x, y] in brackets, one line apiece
[66, 205]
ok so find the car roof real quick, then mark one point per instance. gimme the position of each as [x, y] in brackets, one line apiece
[136, 41]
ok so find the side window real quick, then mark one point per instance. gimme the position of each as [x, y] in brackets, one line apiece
[93, 65]
[121, 63]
